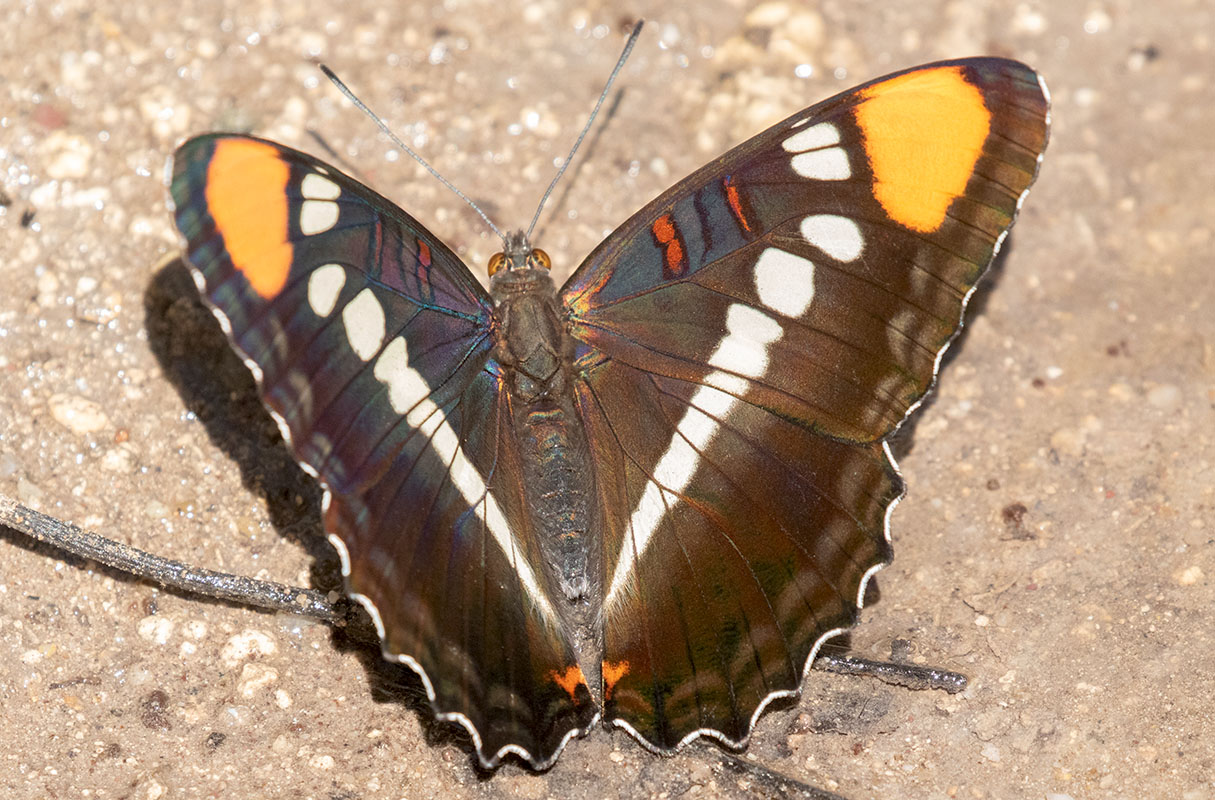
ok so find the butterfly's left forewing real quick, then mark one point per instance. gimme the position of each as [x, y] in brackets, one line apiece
[747, 344]
[372, 346]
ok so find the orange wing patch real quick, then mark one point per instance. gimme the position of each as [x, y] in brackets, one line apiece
[666, 234]
[924, 132]
[569, 680]
[735, 202]
[247, 197]
[613, 672]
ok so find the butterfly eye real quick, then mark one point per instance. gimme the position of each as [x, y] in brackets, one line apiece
[496, 262]
[538, 259]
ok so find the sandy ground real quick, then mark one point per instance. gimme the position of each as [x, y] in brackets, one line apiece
[1057, 545]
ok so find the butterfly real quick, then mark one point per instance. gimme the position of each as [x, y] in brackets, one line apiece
[648, 496]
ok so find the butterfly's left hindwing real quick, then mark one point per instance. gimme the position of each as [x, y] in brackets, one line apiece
[372, 345]
[747, 343]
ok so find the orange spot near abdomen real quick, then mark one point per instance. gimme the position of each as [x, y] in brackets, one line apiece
[923, 133]
[613, 672]
[569, 680]
[247, 197]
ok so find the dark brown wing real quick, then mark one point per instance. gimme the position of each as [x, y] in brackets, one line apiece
[371, 344]
[748, 343]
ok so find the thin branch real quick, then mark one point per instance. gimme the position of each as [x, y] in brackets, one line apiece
[174, 574]
[909, 676]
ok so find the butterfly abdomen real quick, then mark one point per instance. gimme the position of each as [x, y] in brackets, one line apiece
[533, 350]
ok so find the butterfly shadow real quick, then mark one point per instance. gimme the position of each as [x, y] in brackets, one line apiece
[216, 386]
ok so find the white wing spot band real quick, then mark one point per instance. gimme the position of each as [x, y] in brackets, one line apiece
[324, 285]
[743, 351]
[409, 394]
[838, 237]
[364, 320]
[785, 281]
[817, 155]
[319, 212]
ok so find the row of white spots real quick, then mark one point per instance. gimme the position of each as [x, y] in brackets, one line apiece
[324, 285]
[838, 237]
[364, 321]
[785, 280]
[319, 212]
[363, 318]
[818, 155]
[743, 351]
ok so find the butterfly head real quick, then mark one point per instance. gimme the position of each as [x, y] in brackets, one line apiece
[518, 253]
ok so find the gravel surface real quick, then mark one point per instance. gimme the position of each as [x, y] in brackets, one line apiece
[1057, 544]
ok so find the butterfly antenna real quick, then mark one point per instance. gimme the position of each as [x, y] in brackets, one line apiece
[361, 106]
[624, 56]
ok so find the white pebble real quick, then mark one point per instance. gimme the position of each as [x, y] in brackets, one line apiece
[1189, 576]
[246, 645]
[77, 414]
[155, 629]
[254, 677]
[1166, 397]
[72, 155]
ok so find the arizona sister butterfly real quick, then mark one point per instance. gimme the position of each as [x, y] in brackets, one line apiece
[650, 495]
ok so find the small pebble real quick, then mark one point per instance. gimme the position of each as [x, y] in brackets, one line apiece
[120, 459]
[28, 493]
[1166, 397]
[72, 154]
[245, 645]
[8, 465]
[254, 677]
[155, 629]
[322, 762]
[1189, 576]
[77, 414]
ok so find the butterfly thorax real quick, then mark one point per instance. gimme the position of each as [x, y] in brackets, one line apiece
[535, 353]
[530, 340]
